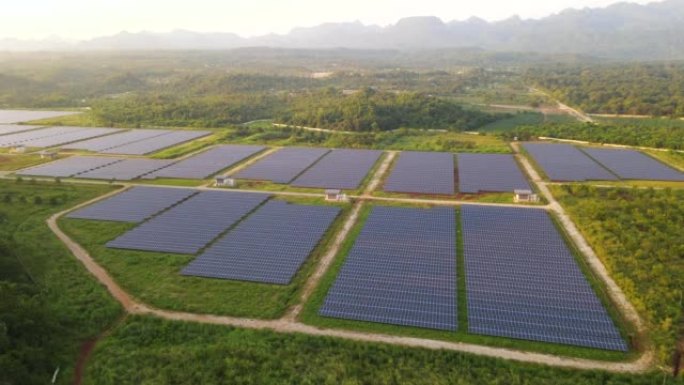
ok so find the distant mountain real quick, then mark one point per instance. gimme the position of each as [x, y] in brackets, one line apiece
[623, 30]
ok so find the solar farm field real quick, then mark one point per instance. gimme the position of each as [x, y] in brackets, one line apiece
[156, 143]
[489, 173]
[12, 128]
[283, 166]
[422, 172]
[631, 164]
[70, 167]
[116, 140]
[564, 162]
[53, 136]
[207, 163]
[285, 239]
[340, 168]
[126, 169]
[18, 116]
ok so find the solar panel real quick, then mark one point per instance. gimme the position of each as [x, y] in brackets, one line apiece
[70, 166]
[150, 145]
[630, 164]
[342, 169]
[207, 163]
[523, 282]
[116, 140]
[269, 246]
[422, 172]
[13, 128]
[190, 226]
[52, 136]
[563, 162]
[127, 169]
[282, 166]
[134, 205]
[18, 116]
[489, 172]
[401, 270]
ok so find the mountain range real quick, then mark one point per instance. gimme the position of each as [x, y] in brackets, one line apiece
[654, 31]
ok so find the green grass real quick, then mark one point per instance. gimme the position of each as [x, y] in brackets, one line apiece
[151, 351]
[643, 122]
[310, 316]
[674, 159]
[154, 277]
[81, 306]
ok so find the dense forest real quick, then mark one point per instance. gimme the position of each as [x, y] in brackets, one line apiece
[637, 89]
[637, 234]
[48, 303]
[658, 136]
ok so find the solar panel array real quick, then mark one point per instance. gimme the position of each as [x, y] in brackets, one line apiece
[401, 270]
[126, 169]
[207, 163]
[133, 205]
[282, 166]
[147, 146]
[70, 166]
[116, 140]
[190, 226]
[269, 246]
[630, 164]
[489, 172]
[563, 162]
[342, 169]
[17, 116]
[13, 128]
[422, 172]
[52, 136]
[523, 282]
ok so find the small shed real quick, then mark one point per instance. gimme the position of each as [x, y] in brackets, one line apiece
[18, 149]
[48, 154]
[525, 196]
[335, 195]
[225, 181]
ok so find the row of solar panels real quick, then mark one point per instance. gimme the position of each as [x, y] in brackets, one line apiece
[564, 162]
[522, 281]
[313, 167]
[267, 242]
[18, 116]
[102, 140]
[199, 166]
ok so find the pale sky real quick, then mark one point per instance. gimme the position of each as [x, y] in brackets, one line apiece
[83, 19]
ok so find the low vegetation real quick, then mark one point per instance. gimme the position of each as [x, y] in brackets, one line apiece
[49, 304]
[153, 351]
[637, 233]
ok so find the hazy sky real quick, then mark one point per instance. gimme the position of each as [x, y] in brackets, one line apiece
[80, 19]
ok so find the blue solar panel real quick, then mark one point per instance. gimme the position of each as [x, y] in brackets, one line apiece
[17, 116]
[116, 140]
[342, 169]
[401, 270]
[630, 164]
[53, 136]
[69, 167]
[192, 225]
[12, 128]
[489, 173]
[563, 162]
[127, 169]
[523, 282]
[282, 166]
[269, 246]
[208, 163]
[422, 172]
[150, 145]
[134, 205]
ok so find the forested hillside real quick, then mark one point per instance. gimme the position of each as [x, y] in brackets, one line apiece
[638, 89]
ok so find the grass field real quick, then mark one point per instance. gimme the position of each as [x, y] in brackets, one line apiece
[519, 119]
[643, 122]
[310, 315]
[71, 297]
[154, 277]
